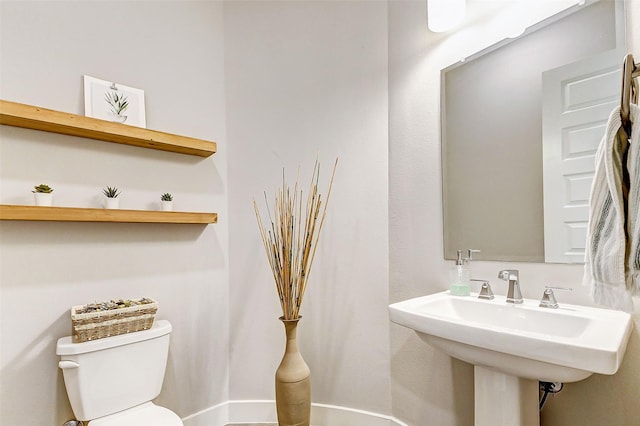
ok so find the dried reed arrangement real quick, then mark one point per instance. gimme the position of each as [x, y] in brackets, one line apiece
[291, 238]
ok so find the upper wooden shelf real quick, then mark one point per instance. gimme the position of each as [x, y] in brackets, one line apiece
[74, 214]
[36, 118]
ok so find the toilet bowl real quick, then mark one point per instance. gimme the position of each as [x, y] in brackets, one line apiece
[111, 381]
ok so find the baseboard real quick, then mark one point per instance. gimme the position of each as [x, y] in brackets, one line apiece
[218, 415]
[264, 411]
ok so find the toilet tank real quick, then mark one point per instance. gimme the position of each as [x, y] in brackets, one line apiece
[112, 374]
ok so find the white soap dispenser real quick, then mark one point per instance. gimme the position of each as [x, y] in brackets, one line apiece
[459, 278]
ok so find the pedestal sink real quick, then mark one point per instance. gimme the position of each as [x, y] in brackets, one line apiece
[512, 347]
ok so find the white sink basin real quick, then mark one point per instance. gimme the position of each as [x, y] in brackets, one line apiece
[556, 345]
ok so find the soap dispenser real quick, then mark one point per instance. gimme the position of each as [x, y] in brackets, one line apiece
[459, 278]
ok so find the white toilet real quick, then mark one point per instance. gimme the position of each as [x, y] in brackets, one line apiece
[111, 381]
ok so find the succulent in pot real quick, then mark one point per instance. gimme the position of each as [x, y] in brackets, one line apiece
[111, 200]
[166, 202]
[43, 195]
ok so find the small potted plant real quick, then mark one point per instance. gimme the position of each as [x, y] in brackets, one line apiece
[43, 195]
[111, 200]
[166, 201]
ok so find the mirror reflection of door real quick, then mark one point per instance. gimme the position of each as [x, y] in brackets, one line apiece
[577, 100]
[492, 138]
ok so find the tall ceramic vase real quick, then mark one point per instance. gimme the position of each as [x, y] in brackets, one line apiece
[293, 382]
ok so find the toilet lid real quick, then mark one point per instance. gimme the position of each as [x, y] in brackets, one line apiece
[145, 414]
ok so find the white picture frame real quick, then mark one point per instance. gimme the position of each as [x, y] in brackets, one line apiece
[115, 102]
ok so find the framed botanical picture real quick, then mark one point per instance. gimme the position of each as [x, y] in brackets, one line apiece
[111, 101]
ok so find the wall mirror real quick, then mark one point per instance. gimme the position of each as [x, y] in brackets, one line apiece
[521, 122]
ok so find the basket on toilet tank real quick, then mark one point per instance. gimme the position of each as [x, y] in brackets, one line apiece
[98, 320]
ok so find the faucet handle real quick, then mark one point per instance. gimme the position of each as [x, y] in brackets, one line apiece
[470, 253]
[549, 298]
[485, 290]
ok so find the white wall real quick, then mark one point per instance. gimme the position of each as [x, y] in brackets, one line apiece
[172, 50]
[426, 384]
[306, 79]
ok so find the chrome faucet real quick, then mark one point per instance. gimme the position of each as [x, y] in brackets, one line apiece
[513, 294]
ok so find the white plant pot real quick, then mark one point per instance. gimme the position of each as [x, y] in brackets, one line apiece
[111, 203]
[166, 206]
[43, 198]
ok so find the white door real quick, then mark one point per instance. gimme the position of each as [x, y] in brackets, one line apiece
[576, 102]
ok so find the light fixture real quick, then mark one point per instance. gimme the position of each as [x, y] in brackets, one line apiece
[443, 15]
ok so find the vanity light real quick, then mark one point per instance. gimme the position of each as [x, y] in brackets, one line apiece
[443, 15]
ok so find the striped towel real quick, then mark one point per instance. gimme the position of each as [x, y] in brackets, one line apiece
[606, 269]
[633, 216]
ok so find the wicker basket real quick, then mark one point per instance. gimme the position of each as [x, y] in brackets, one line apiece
[97, 325]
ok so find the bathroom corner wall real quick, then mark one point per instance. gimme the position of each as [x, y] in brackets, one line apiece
[308, 79]
[428, 386]
[174, 52]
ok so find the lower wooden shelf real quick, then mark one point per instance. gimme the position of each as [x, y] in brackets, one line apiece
[74, 214]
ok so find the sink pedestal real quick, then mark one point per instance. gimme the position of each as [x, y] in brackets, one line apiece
[503, 399]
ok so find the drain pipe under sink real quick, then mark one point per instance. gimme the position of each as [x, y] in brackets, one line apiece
[546, 388]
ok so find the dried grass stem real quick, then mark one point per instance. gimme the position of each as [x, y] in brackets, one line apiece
[291, 238]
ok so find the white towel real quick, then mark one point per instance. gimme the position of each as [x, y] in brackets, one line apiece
[633, 215]
[606, 248]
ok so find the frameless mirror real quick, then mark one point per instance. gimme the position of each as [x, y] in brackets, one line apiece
[521, 122]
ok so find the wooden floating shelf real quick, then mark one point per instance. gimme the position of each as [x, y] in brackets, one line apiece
[36, 118]
[73, 214]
